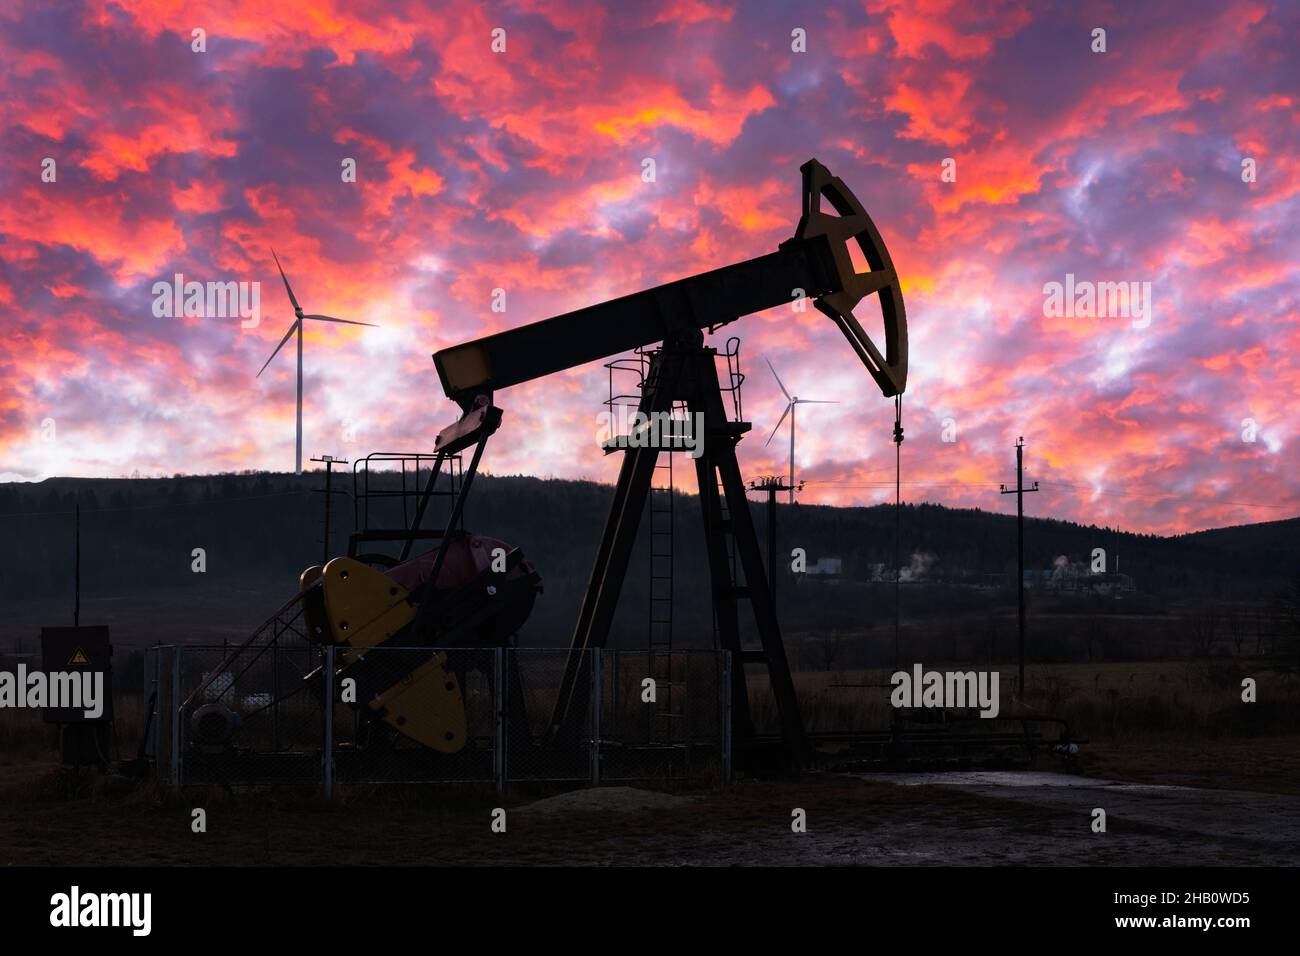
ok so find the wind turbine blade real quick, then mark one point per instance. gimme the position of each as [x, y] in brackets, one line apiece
[815, 401]
[778, 424]
[296, 306]
[778, 380]
[287, 335]
[330, 318]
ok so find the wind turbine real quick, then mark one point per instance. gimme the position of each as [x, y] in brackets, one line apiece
[297, 327]
[794, 400]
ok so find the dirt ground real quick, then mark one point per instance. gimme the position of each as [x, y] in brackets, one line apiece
[950, 819]
[1159, 823]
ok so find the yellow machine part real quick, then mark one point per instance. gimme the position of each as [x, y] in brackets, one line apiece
[426, 705]
[364, 607]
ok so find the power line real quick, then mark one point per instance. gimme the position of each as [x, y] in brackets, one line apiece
[890, 484]
[942, 483]
[1159, 497]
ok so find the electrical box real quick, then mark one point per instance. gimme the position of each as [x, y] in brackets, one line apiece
[78, 650]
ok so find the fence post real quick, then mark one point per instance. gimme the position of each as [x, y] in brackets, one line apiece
[597, 667]
[151, 663]
[176, 717]
[275, 690]
[684, 699]
[726, 717]
[500, 694]
[158, 703]
[327, 751]
[615, 723]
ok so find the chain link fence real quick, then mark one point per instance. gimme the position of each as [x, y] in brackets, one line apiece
[290, 712]
[533, 751]
[663, 714]
[450, 694]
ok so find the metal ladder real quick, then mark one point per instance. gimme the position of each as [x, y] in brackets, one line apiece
[660, 635]
[659, 645]
[731, 391]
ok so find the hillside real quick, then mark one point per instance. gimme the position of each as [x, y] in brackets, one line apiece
[258, 531]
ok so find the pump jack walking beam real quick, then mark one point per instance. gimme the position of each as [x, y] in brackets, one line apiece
[815, 263]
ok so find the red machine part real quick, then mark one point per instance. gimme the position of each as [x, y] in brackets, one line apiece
[468, 557]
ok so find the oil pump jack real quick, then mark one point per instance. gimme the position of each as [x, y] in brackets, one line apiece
[815, 263]
[473, 591]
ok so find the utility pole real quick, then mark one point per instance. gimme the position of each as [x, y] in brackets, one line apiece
[1019, 490]
[76, 573]
[329, 461]
[772, 485]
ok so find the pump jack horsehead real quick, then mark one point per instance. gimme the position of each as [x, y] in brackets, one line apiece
[453, 596]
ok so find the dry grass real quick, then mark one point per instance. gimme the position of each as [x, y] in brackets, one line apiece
[1168, 700]
[1262, 764]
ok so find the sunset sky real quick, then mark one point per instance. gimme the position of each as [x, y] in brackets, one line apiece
[522, 170]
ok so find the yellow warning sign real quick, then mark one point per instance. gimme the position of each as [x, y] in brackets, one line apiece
[79, 657]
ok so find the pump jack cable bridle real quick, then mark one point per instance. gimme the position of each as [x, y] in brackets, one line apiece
[898, 521]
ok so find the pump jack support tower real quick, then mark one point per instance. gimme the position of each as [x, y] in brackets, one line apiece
[815, 263]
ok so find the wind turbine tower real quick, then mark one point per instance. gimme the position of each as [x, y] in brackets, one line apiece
[297, 327]
[793, 402]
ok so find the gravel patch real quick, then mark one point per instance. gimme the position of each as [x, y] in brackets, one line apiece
[605, 800]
